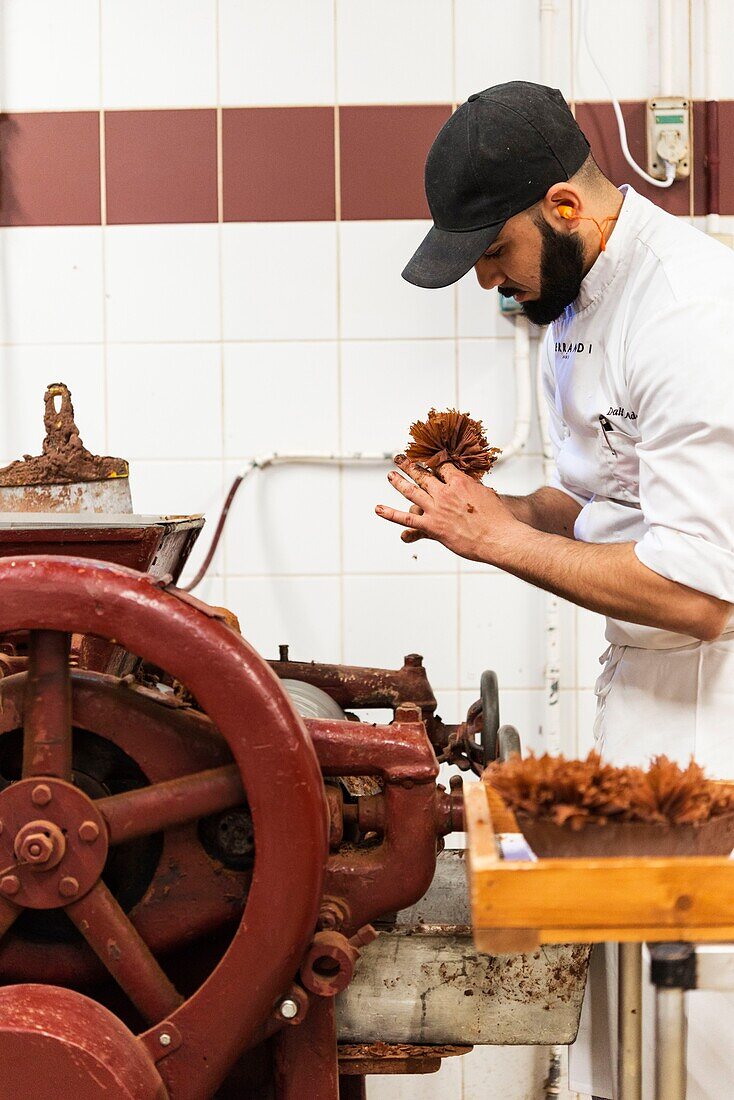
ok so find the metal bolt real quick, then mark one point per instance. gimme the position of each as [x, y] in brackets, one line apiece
[288, 1009]
[88, 831]
[165, 1039]
[35, 848]
[9, 884]
[41, 795]
[68, 887]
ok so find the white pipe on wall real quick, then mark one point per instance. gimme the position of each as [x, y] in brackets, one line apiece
[523, 391]
[665, 24]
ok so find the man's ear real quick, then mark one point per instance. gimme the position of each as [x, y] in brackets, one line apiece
[562, 206]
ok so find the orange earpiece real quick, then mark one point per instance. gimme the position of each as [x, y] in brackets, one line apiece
[568, 212]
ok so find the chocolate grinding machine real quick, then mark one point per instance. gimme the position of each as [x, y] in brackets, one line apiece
[216, 881]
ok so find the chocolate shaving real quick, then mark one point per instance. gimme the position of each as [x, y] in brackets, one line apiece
[582, 792]
[455, 438]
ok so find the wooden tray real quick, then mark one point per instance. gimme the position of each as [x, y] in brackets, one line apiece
[518, 906]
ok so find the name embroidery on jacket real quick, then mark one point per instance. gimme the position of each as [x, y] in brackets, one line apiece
[563, 349]
[620, 411]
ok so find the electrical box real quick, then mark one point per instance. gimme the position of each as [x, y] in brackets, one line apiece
[668, 136]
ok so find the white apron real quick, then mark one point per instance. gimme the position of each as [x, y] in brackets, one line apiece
[679, 702]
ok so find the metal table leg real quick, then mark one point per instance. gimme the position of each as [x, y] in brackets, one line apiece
[673, 973]
[629, 1017]
[670, 1063]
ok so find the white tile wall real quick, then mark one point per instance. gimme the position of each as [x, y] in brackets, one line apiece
[51, 289]
[285, 520]
[302, 612]
[280, 397]
[158, 55]
[279, 281]
[162, 282]
[487, 389]
[375, 301]
[500, 620]
[387, 384]
[165, 400]
[713, 75]
[276, 53]
[404, 615]
[372, 37]
[624, 39]
[50, 55]
[499, 42]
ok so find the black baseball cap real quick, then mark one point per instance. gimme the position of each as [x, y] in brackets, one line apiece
[497, 155]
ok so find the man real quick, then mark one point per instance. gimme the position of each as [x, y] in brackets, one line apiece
[638, 523]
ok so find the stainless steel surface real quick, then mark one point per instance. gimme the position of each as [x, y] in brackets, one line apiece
[629, 1010]
[423, 982]
[671, 1033]
[73, 520]
[112, 495]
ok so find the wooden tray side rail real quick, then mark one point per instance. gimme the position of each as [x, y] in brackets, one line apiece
[516, 906]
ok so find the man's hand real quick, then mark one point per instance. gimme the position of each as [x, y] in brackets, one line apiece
[475, 523]
[452, 508]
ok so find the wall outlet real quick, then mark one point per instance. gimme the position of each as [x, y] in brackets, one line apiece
[668, 136]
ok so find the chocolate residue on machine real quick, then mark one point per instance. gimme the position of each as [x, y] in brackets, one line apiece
[452, 437]
[65, 477]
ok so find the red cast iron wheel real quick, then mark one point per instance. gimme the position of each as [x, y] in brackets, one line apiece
[197, 1040]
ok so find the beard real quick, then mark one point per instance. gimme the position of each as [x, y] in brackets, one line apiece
[561, 274]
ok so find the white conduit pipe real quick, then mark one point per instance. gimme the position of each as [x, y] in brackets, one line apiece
[665, 23]
[552, 674]
[523, 391]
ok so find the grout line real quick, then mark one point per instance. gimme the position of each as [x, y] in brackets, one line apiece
[261, 340]
[339, 344]
[103, 233]
[692, 175]
[222, 552]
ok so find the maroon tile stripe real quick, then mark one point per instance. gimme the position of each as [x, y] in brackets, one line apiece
[278, 163]
[161, 166]
[49, 168]
[276, 160]
[383, 151]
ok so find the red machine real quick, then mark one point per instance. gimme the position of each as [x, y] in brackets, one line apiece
[189, 869]
[185, 883]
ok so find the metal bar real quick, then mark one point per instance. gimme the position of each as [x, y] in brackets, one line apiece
[629, 1015]
[47, 706]
[306, 1062]
[671, 1033]
[151, 809]
[118, 945]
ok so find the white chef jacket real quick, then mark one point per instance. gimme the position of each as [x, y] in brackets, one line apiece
[647, 347]
[639, 378]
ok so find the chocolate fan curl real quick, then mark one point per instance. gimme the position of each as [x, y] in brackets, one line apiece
[584, 792]
[455, 438]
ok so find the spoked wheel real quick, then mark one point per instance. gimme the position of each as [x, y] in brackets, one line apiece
[55, 838]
